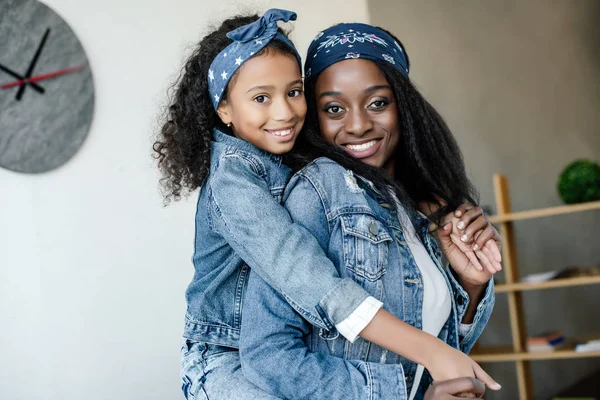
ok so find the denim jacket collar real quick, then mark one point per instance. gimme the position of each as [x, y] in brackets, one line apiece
[219, 136]
[420, 221]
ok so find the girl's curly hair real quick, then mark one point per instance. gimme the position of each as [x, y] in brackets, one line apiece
[182, 147]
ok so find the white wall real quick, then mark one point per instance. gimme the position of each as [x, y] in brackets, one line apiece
[92, 268]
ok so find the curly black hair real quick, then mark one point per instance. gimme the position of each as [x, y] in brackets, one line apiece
[429, 166]
[182, 147]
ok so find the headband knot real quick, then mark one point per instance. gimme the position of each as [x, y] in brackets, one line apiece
[248, 40]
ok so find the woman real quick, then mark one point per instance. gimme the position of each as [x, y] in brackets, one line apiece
[358, 90]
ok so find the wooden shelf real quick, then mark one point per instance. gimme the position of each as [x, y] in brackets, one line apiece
[554, 283]
[503, 354]
[545, 212]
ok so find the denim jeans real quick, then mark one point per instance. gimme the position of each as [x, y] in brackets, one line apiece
[214, 372]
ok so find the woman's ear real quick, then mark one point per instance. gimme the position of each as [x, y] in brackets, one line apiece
[224, 112]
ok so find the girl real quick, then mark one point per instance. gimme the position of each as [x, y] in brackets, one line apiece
[238, 107]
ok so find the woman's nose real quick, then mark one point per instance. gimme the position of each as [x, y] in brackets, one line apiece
[358, 122]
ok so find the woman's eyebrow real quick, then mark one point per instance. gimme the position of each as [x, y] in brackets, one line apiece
[333, 93]
[375, 88]
[367, 90]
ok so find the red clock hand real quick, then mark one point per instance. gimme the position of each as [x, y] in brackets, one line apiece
[42, 77]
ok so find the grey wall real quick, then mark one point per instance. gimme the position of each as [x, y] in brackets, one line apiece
[519, 84]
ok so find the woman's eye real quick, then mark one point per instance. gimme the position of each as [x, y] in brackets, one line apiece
[334, 109]
[295, 93]
[378, 104]
[260, 99]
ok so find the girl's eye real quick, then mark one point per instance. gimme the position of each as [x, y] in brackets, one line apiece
[294, 93]
[260, 99]
[378, 104]
[334, 110]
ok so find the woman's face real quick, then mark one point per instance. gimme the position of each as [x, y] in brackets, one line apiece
[357, 111]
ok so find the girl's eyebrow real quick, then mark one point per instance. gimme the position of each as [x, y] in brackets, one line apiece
[367, 90]
[267, 87]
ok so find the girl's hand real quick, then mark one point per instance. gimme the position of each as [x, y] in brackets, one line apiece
[449, 363]
[471, 244]
[455, 389]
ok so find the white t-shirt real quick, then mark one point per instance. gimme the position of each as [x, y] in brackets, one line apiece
[437, 302]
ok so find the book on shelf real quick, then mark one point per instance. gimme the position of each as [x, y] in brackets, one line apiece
[545, 342]
[570, 272]
[587, 344]
[587, 347]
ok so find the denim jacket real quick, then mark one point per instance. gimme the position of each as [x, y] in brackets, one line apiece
[240, 223]
[363, 237]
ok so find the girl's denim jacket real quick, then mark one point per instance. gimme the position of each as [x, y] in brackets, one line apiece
[284, 355]
[240, 223]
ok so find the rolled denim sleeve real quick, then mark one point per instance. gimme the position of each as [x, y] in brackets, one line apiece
[283, 253]
[482, 315]
[276, 358]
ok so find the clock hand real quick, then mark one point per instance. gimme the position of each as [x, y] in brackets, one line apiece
[42, 77]
[33, 63]
[35, 86]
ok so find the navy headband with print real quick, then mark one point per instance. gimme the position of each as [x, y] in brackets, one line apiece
[354, 40]
[247, 41]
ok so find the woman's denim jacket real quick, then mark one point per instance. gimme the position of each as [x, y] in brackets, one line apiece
[240, 223]
[283, 354]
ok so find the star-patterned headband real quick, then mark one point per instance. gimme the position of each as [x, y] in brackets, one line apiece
[247, 41]
[347, 41]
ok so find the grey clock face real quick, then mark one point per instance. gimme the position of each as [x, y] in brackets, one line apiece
[46, 88]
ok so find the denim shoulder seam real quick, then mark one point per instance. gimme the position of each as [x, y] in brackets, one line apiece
[256, 164]
[314, 182]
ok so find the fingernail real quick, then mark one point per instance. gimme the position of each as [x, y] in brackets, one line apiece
[448, 225]
[475, 247]
[461, 224]
[496, 386]
[457, 213]
[464, 237]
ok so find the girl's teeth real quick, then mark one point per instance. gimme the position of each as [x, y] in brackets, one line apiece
[282, 133]
[361, 147]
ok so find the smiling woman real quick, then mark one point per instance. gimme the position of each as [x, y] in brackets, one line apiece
[373, 163]
[357, 110]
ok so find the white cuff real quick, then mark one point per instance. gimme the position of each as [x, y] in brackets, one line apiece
[359, 319]
[463, 329]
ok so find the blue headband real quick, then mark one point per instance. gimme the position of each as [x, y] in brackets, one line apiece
[346, 41]
[247, 41]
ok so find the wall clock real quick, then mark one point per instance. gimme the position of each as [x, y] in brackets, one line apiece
[46, 88]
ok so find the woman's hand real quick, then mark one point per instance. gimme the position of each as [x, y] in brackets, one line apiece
[471, 244]
[455, 389]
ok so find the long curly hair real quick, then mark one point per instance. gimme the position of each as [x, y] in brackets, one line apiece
[429, 166]
[182, 146]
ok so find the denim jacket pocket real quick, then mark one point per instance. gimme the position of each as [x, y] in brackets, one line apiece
[366, 242]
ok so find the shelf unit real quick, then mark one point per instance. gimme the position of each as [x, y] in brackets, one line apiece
[518, 353]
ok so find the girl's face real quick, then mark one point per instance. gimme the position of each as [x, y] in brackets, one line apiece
[265, 102]
[357, 111]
